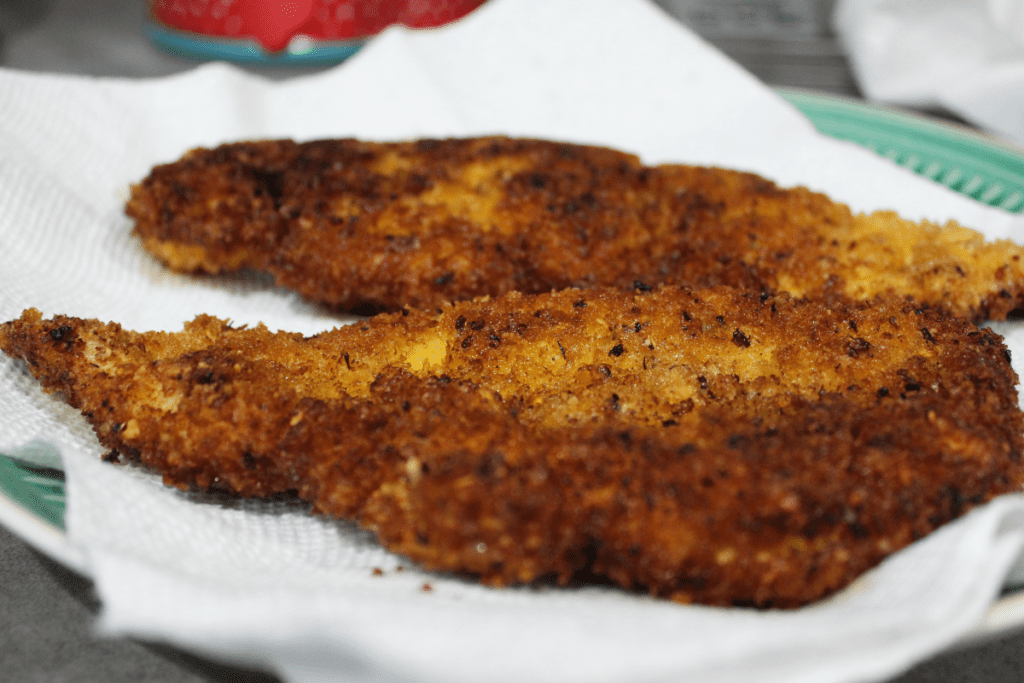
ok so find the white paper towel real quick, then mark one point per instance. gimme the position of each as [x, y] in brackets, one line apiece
[966, 56]
[268, 583]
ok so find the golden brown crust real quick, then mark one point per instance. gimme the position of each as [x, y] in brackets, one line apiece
[777, 513]
[369, 226]
[709, 445]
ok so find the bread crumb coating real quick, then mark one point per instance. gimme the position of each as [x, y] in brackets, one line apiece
[706, 445]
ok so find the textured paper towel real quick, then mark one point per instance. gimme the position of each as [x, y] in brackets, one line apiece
[266, 582]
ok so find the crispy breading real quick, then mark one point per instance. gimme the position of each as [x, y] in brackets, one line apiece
[709, 445]
[365, 226]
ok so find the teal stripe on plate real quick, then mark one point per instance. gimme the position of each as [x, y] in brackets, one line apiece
[956, 157]
[40, 490]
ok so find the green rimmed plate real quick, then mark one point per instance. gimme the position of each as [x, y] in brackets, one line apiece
[39, 489]
[32, 502]
[957, 157]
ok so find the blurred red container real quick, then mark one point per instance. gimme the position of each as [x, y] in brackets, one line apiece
[288, 31]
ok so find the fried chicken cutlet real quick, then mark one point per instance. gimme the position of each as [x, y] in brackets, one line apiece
[364, 227]
[707, 445]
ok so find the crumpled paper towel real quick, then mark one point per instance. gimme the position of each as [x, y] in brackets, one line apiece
[965, 56]
[266, 583]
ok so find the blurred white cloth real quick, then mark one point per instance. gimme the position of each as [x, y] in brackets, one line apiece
[964, 56]
[268, 583]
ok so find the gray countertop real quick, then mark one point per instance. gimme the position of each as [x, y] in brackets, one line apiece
[47, 611]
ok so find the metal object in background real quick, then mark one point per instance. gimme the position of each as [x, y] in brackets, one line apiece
[782, 42]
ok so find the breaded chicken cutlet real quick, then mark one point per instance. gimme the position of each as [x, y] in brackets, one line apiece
[707, 445]
[364, 227]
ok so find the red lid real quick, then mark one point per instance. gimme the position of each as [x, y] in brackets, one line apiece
[273, 23]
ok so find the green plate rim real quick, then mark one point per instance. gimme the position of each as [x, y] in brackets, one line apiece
[958, 157]
[38, 489]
